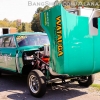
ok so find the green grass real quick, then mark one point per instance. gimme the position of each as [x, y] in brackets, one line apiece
[97, 86]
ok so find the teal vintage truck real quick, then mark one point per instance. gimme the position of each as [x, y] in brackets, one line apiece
[67, 51]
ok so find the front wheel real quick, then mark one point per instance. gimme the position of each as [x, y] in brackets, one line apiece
[86, 80]
[36, 83]
[0, 73]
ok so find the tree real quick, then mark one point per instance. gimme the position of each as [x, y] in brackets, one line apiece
[23, 27]
[40, 9]
[96, 3]
[46, 8]
[86, 3]
[28, 27]
[19, 29]
[35, 23]
[57, 2]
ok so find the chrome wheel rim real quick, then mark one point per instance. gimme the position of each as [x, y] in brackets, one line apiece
[34, 84]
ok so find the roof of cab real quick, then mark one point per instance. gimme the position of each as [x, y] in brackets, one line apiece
[24, 33]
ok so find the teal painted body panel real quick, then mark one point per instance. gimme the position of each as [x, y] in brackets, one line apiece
[29, 48]
[73, 50]
[7, 59]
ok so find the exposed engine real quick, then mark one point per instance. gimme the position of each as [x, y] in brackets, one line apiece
[36, 59]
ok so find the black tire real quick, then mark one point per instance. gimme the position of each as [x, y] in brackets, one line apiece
[36, 83]
[0, 73]
[86, 81]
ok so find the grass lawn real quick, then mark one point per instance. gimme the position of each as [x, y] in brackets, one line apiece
[97, 86]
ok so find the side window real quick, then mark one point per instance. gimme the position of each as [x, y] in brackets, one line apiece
[5, 42]
[8, 42]
[12, 42]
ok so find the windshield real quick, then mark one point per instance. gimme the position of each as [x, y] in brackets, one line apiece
[29, 40]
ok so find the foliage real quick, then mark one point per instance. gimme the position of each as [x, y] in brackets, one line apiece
[19, 29]
[28, 27]
[97, 86]
[35, 23]
[23, 27]
[86, 3]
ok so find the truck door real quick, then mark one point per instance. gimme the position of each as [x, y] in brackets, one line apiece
[8, 53]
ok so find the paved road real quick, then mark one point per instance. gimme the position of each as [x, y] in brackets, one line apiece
[14, 87]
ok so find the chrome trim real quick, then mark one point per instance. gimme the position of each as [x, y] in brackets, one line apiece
[17, 63]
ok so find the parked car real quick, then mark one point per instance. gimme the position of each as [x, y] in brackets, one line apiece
[17, 50]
